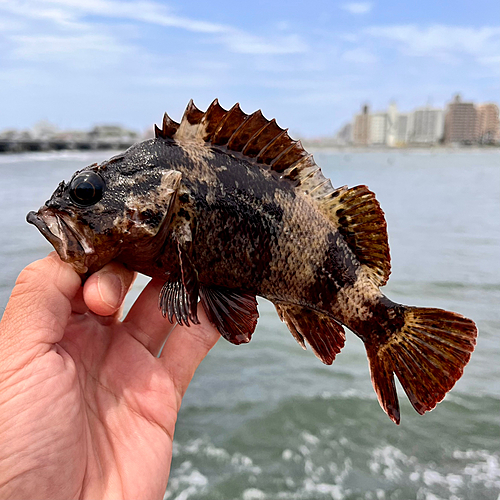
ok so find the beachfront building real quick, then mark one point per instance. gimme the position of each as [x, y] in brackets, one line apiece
[427, 126]
[391, 123]
[378, 129]
[402, 132]
[489, 127]
[344, 135]
[383, 127]
[461, 122]
[361, 127]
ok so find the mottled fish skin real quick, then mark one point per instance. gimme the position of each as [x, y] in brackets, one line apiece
[252, 233]
[226, 207]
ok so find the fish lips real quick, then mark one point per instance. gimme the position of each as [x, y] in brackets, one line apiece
[71, 245]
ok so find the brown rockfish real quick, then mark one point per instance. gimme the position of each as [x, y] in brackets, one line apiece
[226, 206]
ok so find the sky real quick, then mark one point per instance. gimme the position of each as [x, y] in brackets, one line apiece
[311, 64]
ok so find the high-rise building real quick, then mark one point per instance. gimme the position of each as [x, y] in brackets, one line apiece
[378, 129]
[461, 122]
[391, 123]
[403, 123]
[489, 128]
[427, 125]
[361, 128]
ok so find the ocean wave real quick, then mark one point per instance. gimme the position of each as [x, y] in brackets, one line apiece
[321, 464]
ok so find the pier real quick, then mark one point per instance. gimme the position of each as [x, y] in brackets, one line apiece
[45, 138]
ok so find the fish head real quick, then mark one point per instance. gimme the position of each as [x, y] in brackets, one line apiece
[122, 205]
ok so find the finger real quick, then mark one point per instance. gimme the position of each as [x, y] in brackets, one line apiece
[40, 304]
[145, 321]
[105, 290]
[78, 305]
[185, 348]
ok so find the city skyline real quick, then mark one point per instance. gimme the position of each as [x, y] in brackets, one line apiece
[459, 122]
[79, 63]
[44, 127]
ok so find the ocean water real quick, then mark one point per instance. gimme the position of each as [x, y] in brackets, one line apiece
[267, 420]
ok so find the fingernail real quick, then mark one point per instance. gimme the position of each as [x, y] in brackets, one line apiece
[110, 288]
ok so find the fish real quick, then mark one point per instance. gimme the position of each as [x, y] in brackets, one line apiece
[225, 206]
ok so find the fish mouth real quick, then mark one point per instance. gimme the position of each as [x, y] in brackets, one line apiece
[69, 242]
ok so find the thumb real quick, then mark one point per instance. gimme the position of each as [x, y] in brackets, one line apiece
[39, 306]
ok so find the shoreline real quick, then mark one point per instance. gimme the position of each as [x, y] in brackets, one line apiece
[44, 147]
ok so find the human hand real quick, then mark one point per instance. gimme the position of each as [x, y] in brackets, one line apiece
[87, 408]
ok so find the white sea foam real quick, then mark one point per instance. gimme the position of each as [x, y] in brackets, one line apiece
[184, 485]
[253, 494]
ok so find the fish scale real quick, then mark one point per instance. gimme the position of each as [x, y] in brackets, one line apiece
[225, 206]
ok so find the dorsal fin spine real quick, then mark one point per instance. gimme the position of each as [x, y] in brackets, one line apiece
[169, 127]
[256, 134]
[224, 119]
[270, 144]
[192, 114]
[283, 153]
[247, 129]
[235, 110]
[212, 118]
[319, 186]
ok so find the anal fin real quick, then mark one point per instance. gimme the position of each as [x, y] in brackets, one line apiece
[232, 312]
[325, 336]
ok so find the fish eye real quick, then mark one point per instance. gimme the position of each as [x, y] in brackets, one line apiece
[86, 189]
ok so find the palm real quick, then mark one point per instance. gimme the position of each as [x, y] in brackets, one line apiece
[123, 398]
[106, 405]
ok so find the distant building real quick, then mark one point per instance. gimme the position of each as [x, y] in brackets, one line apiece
[44, 130]
[378, 129]
[344, 135]
[361, 128]
[461, 122]
[402, 129]
[427, 126]
[488, 123]
[112, 132]
[391, 123]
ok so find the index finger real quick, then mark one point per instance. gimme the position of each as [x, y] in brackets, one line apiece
[40, 304]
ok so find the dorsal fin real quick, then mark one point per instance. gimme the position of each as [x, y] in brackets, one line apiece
[169, 128]
[260, 140]
[355, 212]
[361, 221]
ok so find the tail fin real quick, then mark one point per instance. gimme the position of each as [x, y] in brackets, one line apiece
[428, 354]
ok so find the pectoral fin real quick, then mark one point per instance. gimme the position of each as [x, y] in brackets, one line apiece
[180, 298]
[190, 282]
[173, 302]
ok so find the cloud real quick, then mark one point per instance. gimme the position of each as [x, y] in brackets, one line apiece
[71, 14]
[357, 7]
[244, 43]
[450, 43]
[359, 55]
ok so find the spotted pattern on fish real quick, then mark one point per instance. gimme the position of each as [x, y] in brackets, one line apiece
[225, 206]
